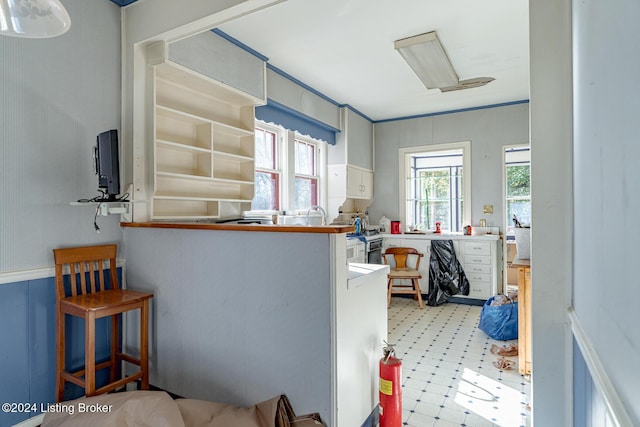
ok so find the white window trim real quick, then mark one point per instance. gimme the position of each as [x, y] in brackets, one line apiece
[285, 150]
[280, 161]
[321, 167]
[504, 181]
[404, 165]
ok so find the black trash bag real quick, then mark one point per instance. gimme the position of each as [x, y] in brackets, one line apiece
[446, 276]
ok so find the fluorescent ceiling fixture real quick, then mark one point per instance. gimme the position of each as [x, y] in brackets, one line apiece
[33, 18]
[427, 58]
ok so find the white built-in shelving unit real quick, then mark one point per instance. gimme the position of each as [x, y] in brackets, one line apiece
[203, 148]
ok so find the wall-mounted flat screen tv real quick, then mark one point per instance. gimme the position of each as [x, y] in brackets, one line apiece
[107, 165]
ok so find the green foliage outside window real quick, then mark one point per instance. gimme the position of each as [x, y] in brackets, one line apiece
[518, 181]
[436, 187]
[518, 193]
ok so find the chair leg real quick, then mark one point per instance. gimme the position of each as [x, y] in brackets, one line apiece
[115, 341]
[90, 354]
[416, 287]
[389, 286]
[60, 354]
[144, 344]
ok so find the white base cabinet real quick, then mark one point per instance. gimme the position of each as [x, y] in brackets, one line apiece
[480, 256]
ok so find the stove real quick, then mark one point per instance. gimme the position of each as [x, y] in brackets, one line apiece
[372, 231]
[373, 246]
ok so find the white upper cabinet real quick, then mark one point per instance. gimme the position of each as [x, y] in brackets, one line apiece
[350, 161]
[359, 183]
[350, 182]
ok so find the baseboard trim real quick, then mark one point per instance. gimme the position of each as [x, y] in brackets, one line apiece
[16, 276]
[373, 419]
[615, 407]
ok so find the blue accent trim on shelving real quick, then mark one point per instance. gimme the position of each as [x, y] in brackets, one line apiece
[238, 43]
[462, 110]
[280, 114]
[123, 3]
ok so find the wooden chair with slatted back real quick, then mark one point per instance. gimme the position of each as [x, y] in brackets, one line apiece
[91, 300]
[400, 270]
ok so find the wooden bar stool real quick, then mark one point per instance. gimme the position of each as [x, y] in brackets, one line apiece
[93, 301]
[400, 270]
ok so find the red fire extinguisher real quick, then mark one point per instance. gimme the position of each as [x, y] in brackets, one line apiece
[390, 388]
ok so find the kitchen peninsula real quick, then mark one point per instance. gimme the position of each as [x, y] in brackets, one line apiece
[245, 312]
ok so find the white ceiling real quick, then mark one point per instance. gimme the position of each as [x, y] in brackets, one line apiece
[344, 49]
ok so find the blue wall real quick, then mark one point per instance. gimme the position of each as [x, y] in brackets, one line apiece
[28, 344]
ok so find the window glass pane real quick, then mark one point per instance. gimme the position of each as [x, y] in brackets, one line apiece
[518, 181]
[521, 209]
[265, 156]
[305, 158]
[266, 191]
[436, 188]
[306, 192]
[518, 186]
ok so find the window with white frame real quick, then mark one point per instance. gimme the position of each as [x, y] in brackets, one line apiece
[306, 174]
[435, 186]
[288, 169]
[267, 175]
[517, 167]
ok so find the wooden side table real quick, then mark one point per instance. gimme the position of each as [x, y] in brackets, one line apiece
[524, 314]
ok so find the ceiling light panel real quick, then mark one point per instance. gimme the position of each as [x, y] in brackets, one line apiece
[426, 57]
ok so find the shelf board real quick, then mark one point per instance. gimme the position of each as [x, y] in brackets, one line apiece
[231, 130]
[180, 146]
[232, 156]
[182, 198]
[107, 208]
[179, 75]
[184, 176]
[175, 114]
[232, 181]
[198, 198]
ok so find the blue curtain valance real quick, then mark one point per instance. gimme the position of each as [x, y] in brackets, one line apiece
[288, 118]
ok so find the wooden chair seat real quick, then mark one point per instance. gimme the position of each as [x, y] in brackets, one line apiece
[104, 302]
[400, 270]
[404, 273]
[90, 300]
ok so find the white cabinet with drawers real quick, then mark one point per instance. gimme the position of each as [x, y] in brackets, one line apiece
[480, 256]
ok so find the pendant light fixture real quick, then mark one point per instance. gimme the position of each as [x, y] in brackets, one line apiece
[33, 18]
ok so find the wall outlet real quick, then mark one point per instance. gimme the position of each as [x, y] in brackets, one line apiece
[488, 209]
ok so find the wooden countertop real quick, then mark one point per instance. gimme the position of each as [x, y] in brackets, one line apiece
[326, 229]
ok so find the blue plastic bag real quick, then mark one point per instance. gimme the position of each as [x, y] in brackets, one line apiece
[499, 322]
